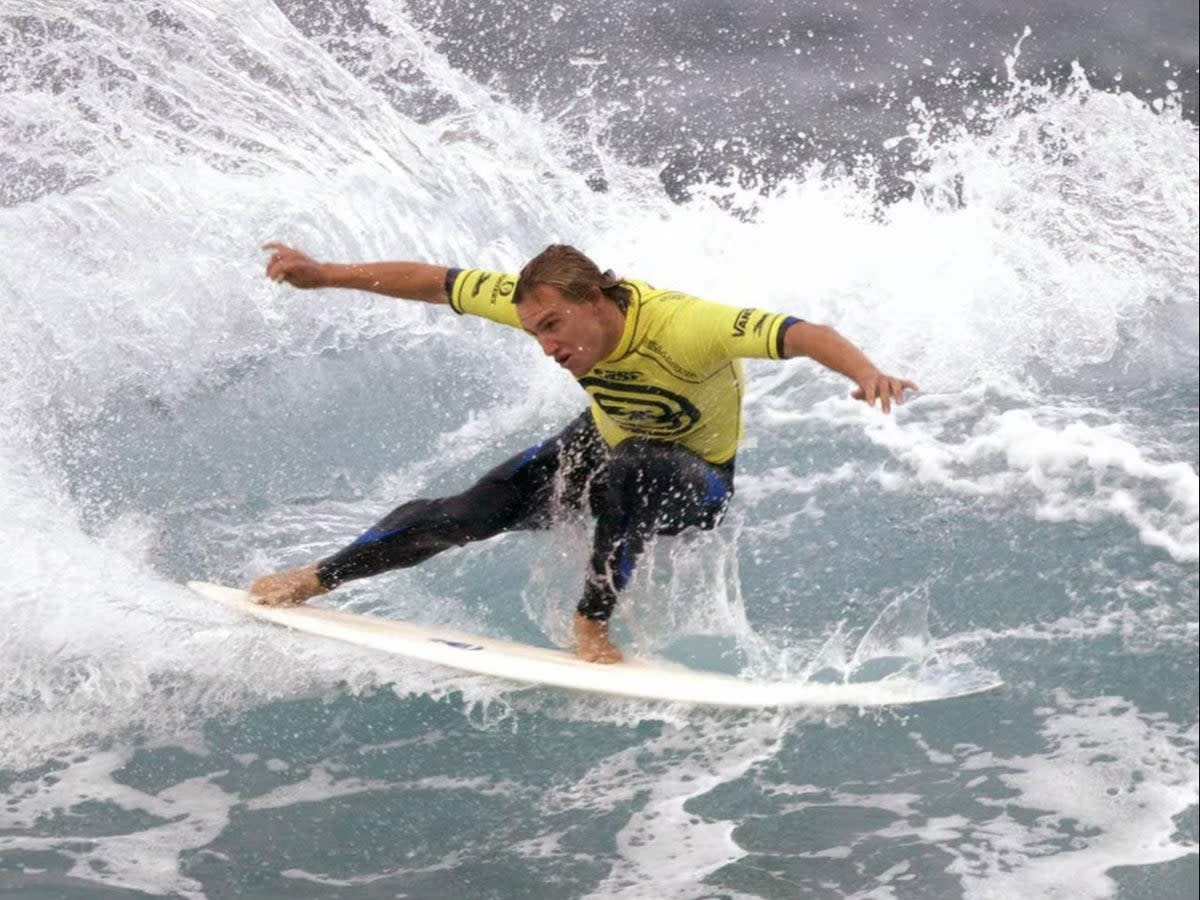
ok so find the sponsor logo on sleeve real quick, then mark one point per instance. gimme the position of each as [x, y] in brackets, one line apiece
[739, 324]
[504, 289]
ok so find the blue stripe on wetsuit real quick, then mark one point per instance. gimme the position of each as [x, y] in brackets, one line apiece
[529, 454]
[716, 491]
[371, 535]
[625, 566]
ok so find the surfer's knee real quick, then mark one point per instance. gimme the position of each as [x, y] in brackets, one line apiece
[662, 488]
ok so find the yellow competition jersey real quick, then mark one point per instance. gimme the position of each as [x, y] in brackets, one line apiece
[675, 375]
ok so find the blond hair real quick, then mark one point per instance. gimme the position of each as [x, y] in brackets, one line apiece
[563, 267]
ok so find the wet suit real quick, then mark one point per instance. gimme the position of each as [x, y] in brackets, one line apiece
[654, 454]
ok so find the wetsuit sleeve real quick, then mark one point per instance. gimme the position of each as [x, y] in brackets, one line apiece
[719, 332]
[478, 292]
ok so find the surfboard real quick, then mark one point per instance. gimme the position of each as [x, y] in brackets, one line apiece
[640, 679]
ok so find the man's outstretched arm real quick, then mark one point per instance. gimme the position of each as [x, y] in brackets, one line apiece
[407, 280]
[830, 349]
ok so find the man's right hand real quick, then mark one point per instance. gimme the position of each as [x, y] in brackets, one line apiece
[296, 268]
[406, 280]
[289, 588]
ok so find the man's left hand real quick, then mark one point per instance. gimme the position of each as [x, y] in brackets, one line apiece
[884, 387]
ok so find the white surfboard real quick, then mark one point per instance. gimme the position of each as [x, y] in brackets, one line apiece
[641, 679]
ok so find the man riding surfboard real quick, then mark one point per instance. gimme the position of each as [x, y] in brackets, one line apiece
[652, 455]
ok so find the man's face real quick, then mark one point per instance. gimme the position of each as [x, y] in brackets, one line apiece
[577, 335]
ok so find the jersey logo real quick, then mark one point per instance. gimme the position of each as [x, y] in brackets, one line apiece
[616, 375]
[739, 324]
[643, 409]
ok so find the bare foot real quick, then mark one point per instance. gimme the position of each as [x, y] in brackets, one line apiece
[592, 643]
[289, 588]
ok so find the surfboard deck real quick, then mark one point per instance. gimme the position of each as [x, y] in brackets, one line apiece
[633, 678]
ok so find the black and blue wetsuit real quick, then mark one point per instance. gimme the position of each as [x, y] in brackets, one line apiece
[636, 490]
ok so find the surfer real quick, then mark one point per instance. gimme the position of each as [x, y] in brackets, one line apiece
[652, 455]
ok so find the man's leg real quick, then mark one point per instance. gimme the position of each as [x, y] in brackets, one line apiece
[518, 494]
[648, 488]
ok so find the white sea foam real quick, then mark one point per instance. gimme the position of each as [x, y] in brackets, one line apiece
[1103, 794]
[186, 816]
[1054, 249]
[1047, 460]
[662, 843]
[1076, 471]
